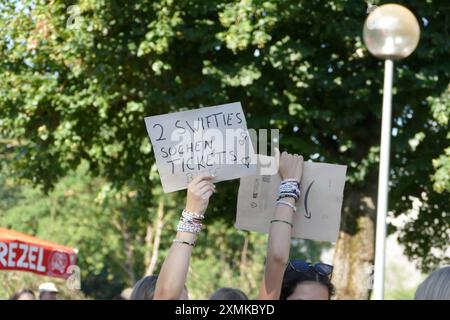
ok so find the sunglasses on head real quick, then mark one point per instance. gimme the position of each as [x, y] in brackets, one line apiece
[302, 266]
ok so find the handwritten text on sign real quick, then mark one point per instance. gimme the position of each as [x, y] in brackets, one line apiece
[211, 140]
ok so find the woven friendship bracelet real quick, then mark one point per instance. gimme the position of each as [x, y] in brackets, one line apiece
[296, 191]
[289, 188]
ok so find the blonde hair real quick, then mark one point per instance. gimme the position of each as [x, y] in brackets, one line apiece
[436, 286]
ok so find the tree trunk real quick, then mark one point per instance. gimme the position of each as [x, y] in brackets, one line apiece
[128, 255]
[355, 249]
[243, 264]
[119, 221]
[153, 250]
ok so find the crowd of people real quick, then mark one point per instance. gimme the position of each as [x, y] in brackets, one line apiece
[283, 279]
[47, 291]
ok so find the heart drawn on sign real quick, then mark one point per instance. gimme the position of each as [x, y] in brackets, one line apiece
[244, 136]
[246, 161]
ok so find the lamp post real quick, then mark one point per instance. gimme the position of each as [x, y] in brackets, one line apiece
[391, 32]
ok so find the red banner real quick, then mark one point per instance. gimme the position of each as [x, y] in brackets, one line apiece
[22, 252]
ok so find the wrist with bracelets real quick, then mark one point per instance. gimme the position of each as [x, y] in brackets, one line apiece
[190, 222]
[289, 188]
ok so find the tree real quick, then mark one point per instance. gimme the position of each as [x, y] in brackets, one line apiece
[77, 88]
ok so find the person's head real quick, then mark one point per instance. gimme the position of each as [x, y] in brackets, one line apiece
[144, 289]
[228, 294]
[48, 291]
[436, 286]
[303, 281]
[23, 294]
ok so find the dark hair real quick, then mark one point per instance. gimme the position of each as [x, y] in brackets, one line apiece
[292, 279]
[20, 292]
[144, 289]
[228, 294]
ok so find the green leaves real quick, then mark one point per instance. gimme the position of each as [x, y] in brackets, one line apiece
[234, 76]
[161, 30]
[442, 176]
[247, 23]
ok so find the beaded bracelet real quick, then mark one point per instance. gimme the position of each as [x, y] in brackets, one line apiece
[184, 226]
[190, 219]
[192, 215]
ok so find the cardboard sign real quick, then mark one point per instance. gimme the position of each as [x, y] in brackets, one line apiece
[211, 140]
[318, 213]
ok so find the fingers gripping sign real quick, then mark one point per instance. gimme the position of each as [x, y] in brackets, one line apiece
[199, 191]
[291, 166]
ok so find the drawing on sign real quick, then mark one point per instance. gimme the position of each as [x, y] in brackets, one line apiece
[307, 212]
[255, 189]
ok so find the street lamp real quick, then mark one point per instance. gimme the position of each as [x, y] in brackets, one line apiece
[391, 32]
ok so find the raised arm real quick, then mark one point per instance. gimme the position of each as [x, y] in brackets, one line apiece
[172, 278]
[290, 170]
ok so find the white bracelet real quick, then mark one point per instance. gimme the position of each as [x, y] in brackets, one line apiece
[287, 204]
[188, 214]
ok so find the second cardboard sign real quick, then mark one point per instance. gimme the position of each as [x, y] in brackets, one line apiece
[318, 213]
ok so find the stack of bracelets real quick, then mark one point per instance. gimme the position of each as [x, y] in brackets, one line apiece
[189, 222]
[288, 188]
